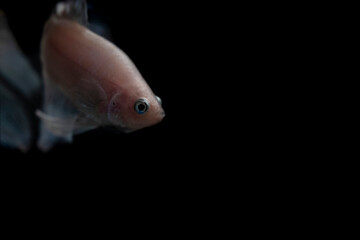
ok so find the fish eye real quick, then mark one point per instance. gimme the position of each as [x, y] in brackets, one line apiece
[141, 106]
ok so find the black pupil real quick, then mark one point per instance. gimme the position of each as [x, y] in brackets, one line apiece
[141, 107]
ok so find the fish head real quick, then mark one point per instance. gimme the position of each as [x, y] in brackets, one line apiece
[134, 110]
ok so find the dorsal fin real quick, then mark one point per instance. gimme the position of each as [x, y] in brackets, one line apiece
[75, 10]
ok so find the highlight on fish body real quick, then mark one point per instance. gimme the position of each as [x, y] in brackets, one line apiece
[88, 82]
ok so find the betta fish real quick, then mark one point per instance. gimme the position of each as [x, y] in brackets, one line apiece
[88, 81]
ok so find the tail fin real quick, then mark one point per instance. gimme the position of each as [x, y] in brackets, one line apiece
[75, 10]
[14, 65]
[20, 87]
[15, 119]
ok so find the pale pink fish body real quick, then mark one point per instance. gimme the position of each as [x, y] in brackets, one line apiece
[99, 81]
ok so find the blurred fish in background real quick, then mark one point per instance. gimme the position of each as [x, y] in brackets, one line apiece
[87, 83]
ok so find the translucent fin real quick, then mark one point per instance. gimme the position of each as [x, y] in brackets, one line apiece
[57, 126]
[54, 130]
[57, 118]
[61, 118]
[15, 122]
[75, 10]
[14, 66]
[20, 87]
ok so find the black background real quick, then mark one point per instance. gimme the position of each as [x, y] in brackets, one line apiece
[229, 133]
[219, 69]
[233, 139]
[172, 46]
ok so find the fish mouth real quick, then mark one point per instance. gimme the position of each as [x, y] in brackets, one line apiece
[157, 118]
[161, 115]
